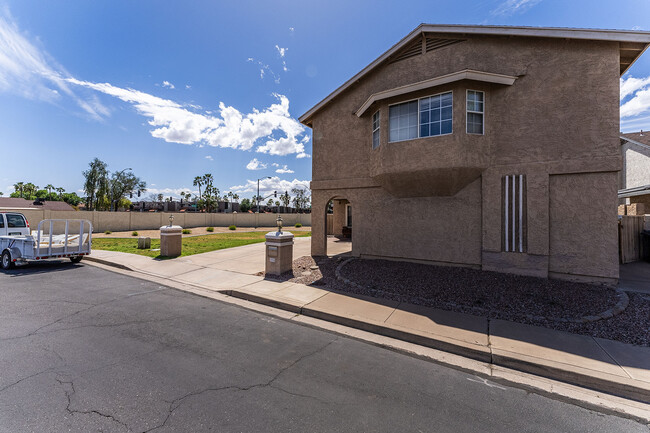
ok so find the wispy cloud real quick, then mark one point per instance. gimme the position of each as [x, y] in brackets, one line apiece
[264, 69]
[284, 170]
[32, 73]
[282, 52]
[511, 7]
[255, 164]
[168, 85]
[208, 157]
[270, 185]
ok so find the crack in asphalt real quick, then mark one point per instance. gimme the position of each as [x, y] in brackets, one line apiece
[71, 391]
[176, 403]
[48, 370]
[68, 316]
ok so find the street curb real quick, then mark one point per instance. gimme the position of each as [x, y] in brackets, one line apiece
[108, 263]
[480, 353]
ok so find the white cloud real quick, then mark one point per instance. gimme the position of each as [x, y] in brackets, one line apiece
[26, 70]
[168, 84]
[275, 164]
[284, 169]
[254, 164]
[291, 29]
[510, 7]
[32, 73]
[639, 92]
[187, 86]
[281, 51]
[269, 185]
[209, 158]
[631, 85]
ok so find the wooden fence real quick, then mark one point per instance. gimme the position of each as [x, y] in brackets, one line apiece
[330, 224]
[630, 228]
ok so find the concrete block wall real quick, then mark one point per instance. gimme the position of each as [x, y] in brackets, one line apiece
[128, 221]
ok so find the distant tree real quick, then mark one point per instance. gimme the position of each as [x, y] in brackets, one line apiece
[269, 203]
[210, 193]
[235, 197]
[30, 191]
[123, 183]
[1, 194]
[198, 181]
[19, 186]
[72, 198]
[60, 191]
[245, 205]
[160, 198]
[96, 183]
[285, 199]
[49, 187]
[299, 198]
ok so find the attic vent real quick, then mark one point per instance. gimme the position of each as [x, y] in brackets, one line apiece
[417, 47]
[436, 43]
[413, 49]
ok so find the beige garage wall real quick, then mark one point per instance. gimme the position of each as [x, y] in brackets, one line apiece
[127, 221]
[583, 225]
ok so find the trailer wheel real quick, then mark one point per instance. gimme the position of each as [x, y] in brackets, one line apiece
[6, 260]
[76, 259]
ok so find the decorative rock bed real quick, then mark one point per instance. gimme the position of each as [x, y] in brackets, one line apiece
[580, 308]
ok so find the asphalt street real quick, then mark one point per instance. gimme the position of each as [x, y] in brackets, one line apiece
[87, 350]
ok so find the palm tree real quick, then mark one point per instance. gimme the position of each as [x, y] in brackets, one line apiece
[30, 189]
[60, 191]
[198, 181]
[19, 186]
[49, 187]
[0, 193]
[235, 197]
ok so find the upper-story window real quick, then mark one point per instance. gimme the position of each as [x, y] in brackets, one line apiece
[475, 112]
[424, 117]
[375, 130]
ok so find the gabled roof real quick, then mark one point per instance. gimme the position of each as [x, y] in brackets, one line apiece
[8, 203]
[640, 138]
[632, 45]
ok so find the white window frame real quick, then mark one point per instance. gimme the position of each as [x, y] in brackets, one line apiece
[482, 113]
[377, 129]
[418, 99]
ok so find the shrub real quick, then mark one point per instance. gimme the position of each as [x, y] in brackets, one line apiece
[298, 225]
[134, 234]
[210, 229]
[233, 227]
[108, 232]
[187, 231]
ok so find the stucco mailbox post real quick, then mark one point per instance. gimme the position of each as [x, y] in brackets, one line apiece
[171, 239]
[279, 251]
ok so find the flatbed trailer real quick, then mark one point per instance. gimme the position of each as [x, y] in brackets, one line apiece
[53, 239]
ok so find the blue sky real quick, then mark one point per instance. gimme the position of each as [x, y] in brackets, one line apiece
[178, 89]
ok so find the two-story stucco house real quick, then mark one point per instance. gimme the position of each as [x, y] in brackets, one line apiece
[489, 147]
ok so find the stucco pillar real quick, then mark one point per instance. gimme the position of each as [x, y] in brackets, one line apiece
[339, 216]
[318, 223]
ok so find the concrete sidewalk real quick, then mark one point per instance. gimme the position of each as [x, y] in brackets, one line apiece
[603, 365]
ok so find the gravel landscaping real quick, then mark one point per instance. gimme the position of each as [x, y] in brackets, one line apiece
[555, 304]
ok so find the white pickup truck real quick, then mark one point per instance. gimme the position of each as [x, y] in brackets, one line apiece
[53, 239]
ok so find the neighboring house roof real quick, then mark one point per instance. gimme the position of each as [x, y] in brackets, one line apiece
[634, 192]
[632, 45]
[10, 203]
[640, 138]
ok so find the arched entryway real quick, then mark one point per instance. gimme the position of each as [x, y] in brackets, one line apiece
[338, 226]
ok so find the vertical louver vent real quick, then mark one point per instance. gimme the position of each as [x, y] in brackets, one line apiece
[514, 213]
[417, 47]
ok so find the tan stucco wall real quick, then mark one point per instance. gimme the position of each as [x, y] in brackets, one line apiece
[127, 221]
[559, 118]
[584, 235]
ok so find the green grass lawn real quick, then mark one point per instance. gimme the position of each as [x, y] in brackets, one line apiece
[191, 245]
